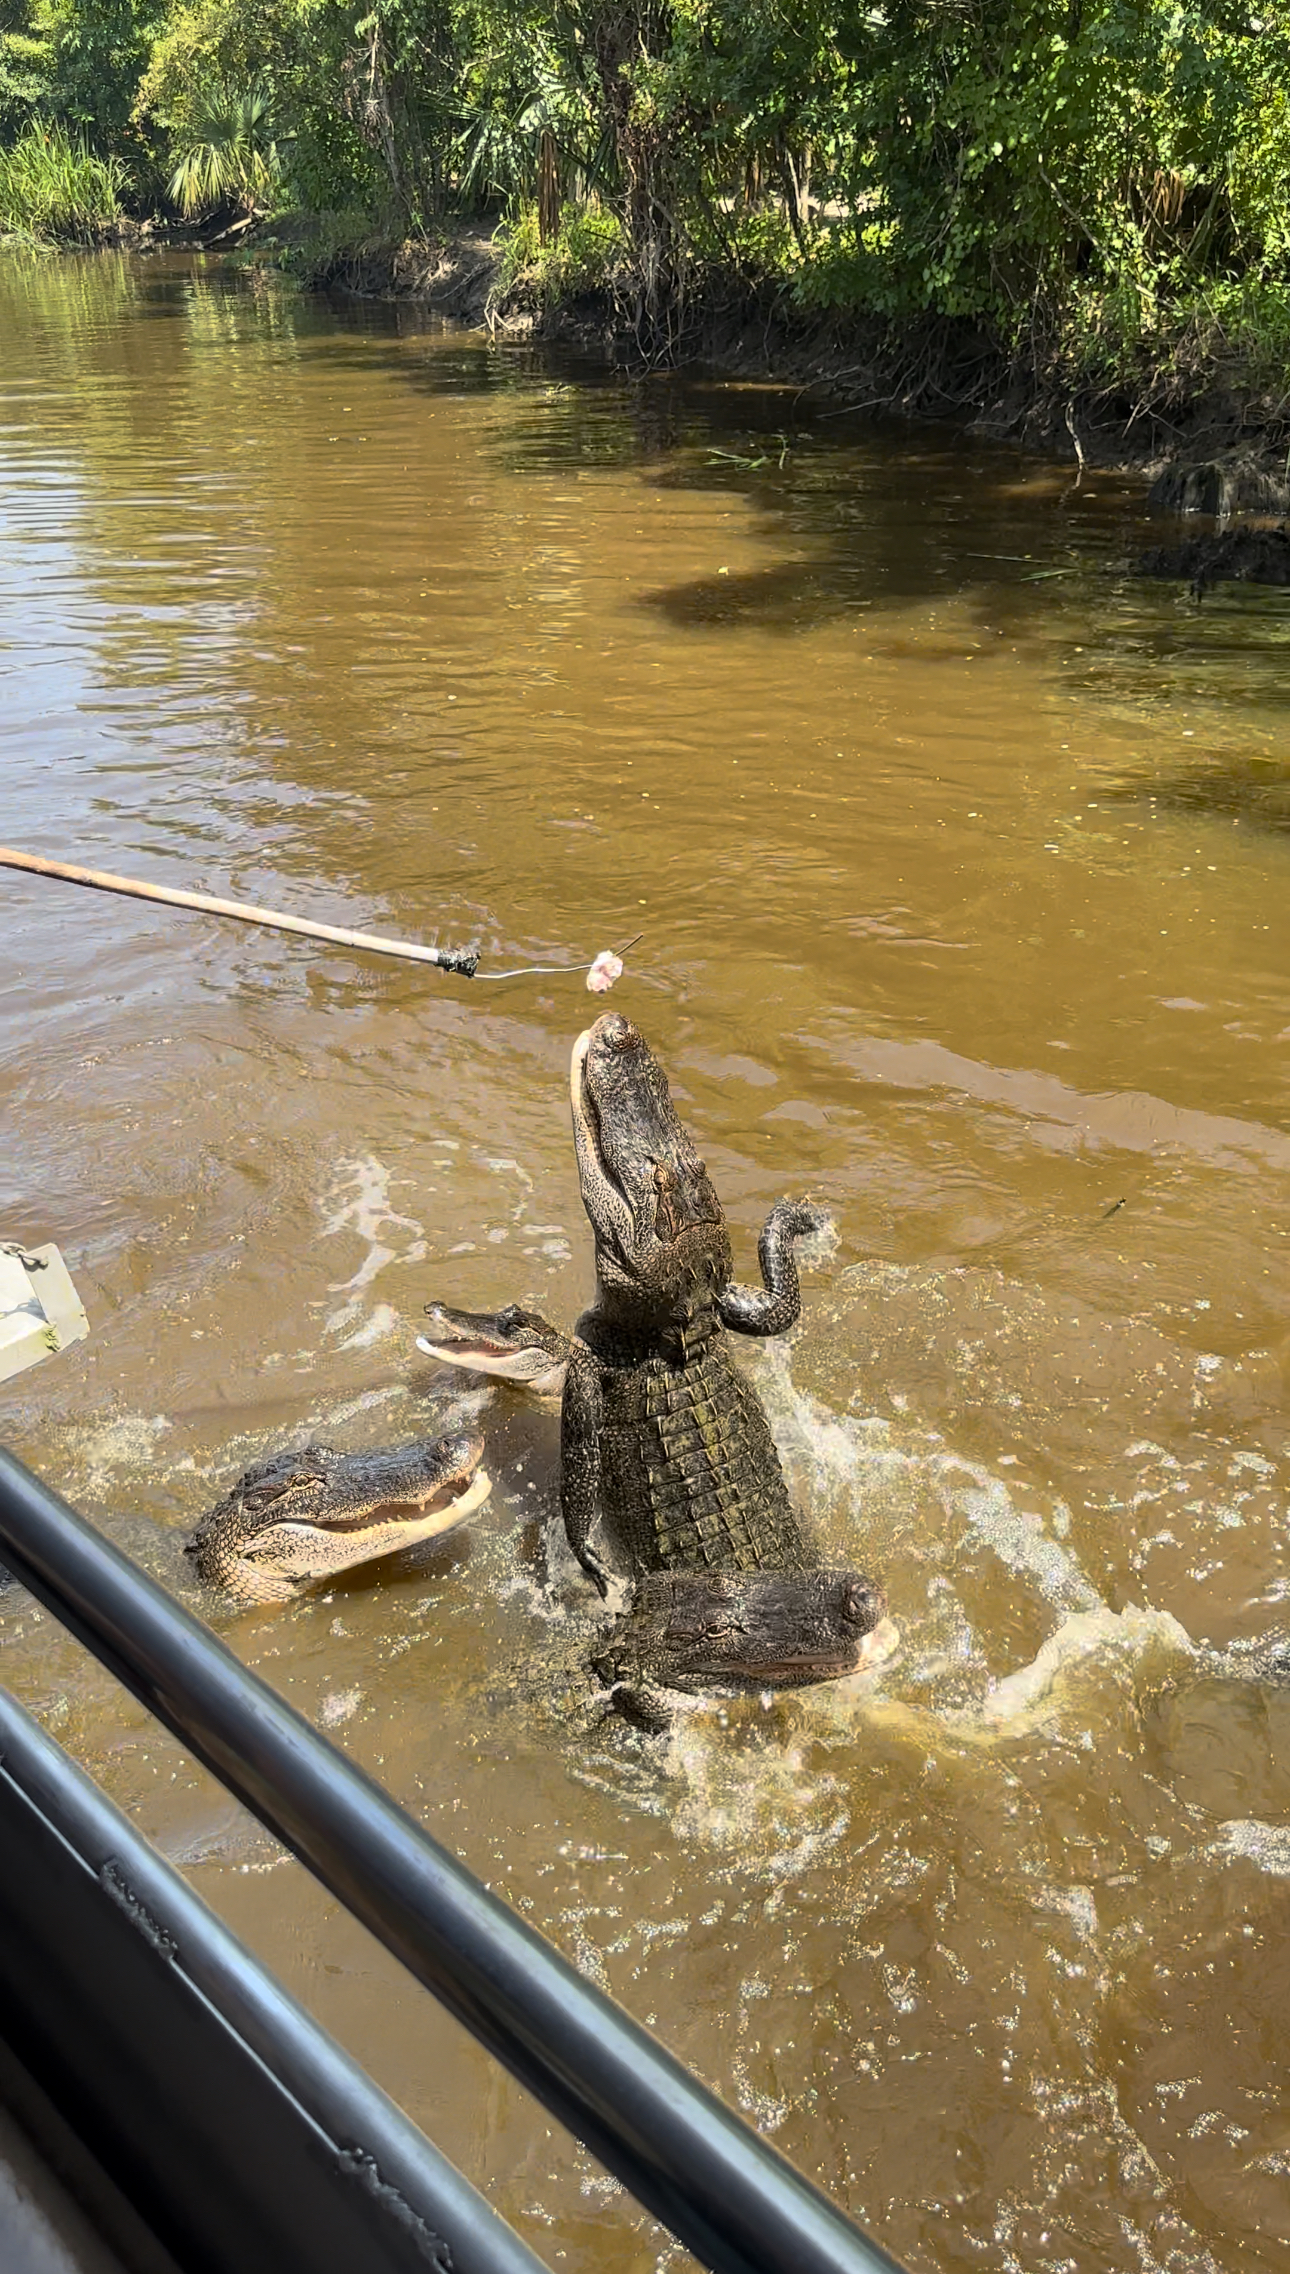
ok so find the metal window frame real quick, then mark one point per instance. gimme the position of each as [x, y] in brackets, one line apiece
[729, 2196]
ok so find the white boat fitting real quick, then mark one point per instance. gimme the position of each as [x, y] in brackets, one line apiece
[40, 1310]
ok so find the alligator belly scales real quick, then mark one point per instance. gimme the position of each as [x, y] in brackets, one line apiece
[692, 1477]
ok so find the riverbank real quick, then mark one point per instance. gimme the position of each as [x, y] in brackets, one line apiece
[1200, 412]
[1202, 417]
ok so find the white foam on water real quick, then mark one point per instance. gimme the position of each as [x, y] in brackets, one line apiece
[383, 1322]
[504, 1166]
[864, 1459]
[1252, 1841]
[541, 1601]
[768, 1811]
[358, 1201]
[776, 1812]
[1077, 1903]
[1017, 1535]
[333, 1416]
[772, 1802]
[814, 1249]
[1198, 2260]
[1034, 1693]
[128, 1441]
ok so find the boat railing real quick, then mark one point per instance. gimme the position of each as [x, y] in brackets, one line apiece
[729, 2196]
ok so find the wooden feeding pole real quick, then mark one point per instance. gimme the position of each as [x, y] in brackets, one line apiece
[463, 961]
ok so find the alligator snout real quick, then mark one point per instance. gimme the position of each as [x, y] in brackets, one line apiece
[458, 1457]
[616, 1032]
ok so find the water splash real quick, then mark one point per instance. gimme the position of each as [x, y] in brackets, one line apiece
[1039, 1691]
[96, 1455]
[358, 1201]
[1250, 1840]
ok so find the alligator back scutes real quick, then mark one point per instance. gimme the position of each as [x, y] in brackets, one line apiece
[692, 1478]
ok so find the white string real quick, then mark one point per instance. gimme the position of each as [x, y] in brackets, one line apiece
[551, 970]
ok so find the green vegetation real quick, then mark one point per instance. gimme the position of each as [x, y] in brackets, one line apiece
[1083, 189]
[225, 154]
[52, 186]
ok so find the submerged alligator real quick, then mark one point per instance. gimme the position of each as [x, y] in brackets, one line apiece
[667, 1462]
[304, 1516]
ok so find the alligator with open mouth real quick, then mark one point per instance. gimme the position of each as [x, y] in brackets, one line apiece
[303, 1516]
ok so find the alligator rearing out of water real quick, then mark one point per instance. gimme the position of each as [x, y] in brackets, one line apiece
[666, 1455]
[667, 1458]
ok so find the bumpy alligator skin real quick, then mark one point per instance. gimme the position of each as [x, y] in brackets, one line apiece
[778, 1630]
[690, 1478]
[668, 1470]
[303, 1516]
[666, 1457]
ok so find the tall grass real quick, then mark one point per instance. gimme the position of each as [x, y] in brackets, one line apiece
[51, 186]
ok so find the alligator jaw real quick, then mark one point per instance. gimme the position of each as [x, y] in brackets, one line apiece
[443, 1510]
[413, 1517]
[580, 1048]
[530, 1368]
[535, 1356]
[881, 1643]
[292, 1552]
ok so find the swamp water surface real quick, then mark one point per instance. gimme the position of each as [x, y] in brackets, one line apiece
[961, 863]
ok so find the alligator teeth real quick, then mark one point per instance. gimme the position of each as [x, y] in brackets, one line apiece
[477, 1491]
[479, 1358]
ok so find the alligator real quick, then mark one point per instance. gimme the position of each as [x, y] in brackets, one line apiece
[667, 1462]
[751, 1630]
[303, 1516]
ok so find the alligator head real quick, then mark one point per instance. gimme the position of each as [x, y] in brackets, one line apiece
[515, 1344]
[761, 1630]
[302, 1516]
[662, 1247]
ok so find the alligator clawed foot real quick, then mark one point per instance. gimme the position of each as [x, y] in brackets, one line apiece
[777, 1304]
[601, 1577]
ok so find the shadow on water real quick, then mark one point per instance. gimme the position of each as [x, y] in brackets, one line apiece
[859, 513]
[1232, 787]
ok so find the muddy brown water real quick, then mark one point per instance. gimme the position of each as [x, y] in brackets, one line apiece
[961, 862]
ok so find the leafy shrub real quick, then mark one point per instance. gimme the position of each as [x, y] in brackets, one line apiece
[589, 252]
[228, 156]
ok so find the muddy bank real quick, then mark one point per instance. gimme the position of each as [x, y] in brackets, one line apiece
[456, 273]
